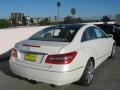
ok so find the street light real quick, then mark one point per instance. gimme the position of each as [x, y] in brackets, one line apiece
[58, 5]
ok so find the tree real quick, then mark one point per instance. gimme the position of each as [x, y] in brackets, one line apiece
[58, 5]
[73, 12]
[46, 21]
[14, 21]
[70, 19]
[78, 20]
[117, 20]
[31, 20]
[24, 20]
[105, 19]
[4, 23]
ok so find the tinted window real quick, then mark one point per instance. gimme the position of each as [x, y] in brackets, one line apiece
[99, 33]
[116, 27]
[106, 28]
[89, 34]
[56, 33]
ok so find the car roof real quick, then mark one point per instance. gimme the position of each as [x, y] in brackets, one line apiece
[108, 25]
[69, 26]
[104, 24]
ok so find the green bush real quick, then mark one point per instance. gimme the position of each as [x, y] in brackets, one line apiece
[71, 20]
[4, 23]
[105, 19]
[46, 21]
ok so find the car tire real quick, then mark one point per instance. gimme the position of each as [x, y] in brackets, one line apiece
[88, 74]
[113, 51]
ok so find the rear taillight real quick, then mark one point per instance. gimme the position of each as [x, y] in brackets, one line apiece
[61, 58]
[14, 53]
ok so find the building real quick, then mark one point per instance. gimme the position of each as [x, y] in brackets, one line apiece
[28, 20]
[17, 16]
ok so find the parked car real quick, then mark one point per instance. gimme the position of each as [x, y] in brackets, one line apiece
[113, 29]
[62, 54]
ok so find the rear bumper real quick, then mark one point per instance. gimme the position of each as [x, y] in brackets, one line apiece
[49, 77]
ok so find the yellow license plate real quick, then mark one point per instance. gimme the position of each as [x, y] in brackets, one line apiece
[30, 57]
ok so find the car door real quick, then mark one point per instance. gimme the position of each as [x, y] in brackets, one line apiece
[105, 44]
[91, 43]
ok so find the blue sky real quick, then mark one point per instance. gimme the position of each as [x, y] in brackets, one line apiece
[42, 8]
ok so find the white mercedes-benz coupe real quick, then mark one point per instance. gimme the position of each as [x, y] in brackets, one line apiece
[62, 54]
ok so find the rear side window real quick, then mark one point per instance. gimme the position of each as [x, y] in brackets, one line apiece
[99, 33]
[89, 34]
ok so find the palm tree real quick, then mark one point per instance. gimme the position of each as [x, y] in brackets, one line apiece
[73, 12]
[58, 5]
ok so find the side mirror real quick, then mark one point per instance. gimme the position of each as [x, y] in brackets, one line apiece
[113, 30]
[110, 35]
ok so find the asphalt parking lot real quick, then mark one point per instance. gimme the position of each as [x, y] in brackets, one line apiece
[107, 77]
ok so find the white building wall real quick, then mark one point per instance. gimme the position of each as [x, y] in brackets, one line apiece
[8, 37]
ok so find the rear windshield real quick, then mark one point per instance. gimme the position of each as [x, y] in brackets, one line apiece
[59, 34]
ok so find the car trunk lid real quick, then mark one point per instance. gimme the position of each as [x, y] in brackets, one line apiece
[35, 52]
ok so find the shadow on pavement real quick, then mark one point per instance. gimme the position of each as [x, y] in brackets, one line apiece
[5, 56]
[4, 65]
[5, 68]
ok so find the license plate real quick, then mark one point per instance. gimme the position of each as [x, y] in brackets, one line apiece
[30, 57]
